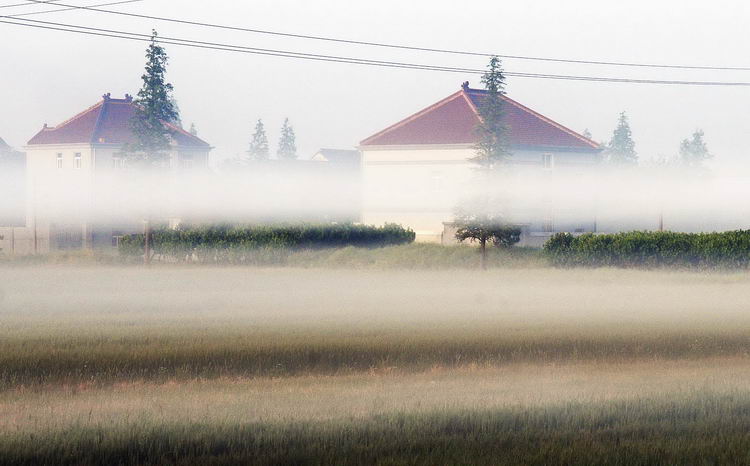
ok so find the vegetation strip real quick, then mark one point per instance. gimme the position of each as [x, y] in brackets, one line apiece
[694, 429]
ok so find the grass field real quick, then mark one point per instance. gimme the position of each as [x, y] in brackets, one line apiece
[182, 365]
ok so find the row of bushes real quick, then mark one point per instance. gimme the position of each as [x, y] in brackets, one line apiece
[730, 249]
[238, 244]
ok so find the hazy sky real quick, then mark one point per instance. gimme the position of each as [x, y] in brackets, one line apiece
[48, 76]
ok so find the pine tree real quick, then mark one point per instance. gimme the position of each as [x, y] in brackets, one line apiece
[621, 148]
[154, 106]
[694, 151]
[492, 147]
[259, 144]
[287, 149]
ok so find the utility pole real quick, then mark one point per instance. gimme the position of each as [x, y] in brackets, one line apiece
[147, 242]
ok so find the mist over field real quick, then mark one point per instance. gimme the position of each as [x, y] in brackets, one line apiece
[140, 355]
[374, 233]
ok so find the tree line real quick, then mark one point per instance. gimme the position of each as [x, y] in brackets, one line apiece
[620, 150]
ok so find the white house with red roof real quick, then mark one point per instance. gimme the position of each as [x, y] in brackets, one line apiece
[66, 161]
[415, 171]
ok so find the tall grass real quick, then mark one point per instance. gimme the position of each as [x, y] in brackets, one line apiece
[703, 428]
[182, 354]
[406, 256]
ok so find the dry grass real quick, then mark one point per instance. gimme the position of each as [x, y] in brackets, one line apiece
[269, 366]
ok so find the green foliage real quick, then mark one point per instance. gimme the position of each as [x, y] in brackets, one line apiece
[621, 148]
[287, 149]
[729, 249]
[694, 151]
[499, 234]
[240, 244]
[492, 147]
[259, 144]
[154, 108]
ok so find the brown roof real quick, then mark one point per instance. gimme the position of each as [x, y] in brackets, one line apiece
[106, 122]
[453, 121]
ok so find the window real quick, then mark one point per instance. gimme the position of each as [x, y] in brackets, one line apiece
[59, 160]
[118, 162]
[548, 161]
[77, 161]
[548, 221]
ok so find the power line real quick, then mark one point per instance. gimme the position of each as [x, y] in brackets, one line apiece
[26, 3]
[68, 9]
[330, 58]
[401, 46]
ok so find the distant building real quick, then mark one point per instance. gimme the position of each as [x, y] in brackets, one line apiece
[351, 157]
[12, 190]
[414, 171]
[65, 163]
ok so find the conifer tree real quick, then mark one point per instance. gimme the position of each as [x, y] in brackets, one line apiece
[694, 151]
[259, 144]
[287, 149]
[154, 106]
[621, 148]
[492, 147]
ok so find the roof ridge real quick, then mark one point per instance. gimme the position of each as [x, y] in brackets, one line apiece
[538, 115]
[182, 130]
[99, 121]
[76, 116]
[412, 117]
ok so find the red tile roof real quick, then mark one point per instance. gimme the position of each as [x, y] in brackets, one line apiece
[106, 122]
[453, 121]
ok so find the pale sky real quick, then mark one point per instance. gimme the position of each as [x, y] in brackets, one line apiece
[48, 76]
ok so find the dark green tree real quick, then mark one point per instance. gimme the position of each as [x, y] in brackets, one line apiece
[480, 222]
[694, 151]
[154, 112]
[259, 144]
[621, 148]
[287, 149]
[485, 228]
[154, 109]
[492, 147]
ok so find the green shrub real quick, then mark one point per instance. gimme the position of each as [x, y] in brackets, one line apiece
[230, 244]
[730, 249]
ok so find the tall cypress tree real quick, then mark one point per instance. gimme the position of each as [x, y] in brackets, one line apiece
[694, 151]
[621, 148]
[154, 106]
[492, 147]
[287, 142]
[259, 144]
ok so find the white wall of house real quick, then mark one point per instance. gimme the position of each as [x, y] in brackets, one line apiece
[421, 187]
[61, 191]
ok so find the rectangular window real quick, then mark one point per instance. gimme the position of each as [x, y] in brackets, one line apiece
[548, 221]
[59, 160]
[548, 161]
[77, 161]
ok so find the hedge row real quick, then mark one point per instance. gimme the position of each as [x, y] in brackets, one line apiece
[228, 243]
[730, 249]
